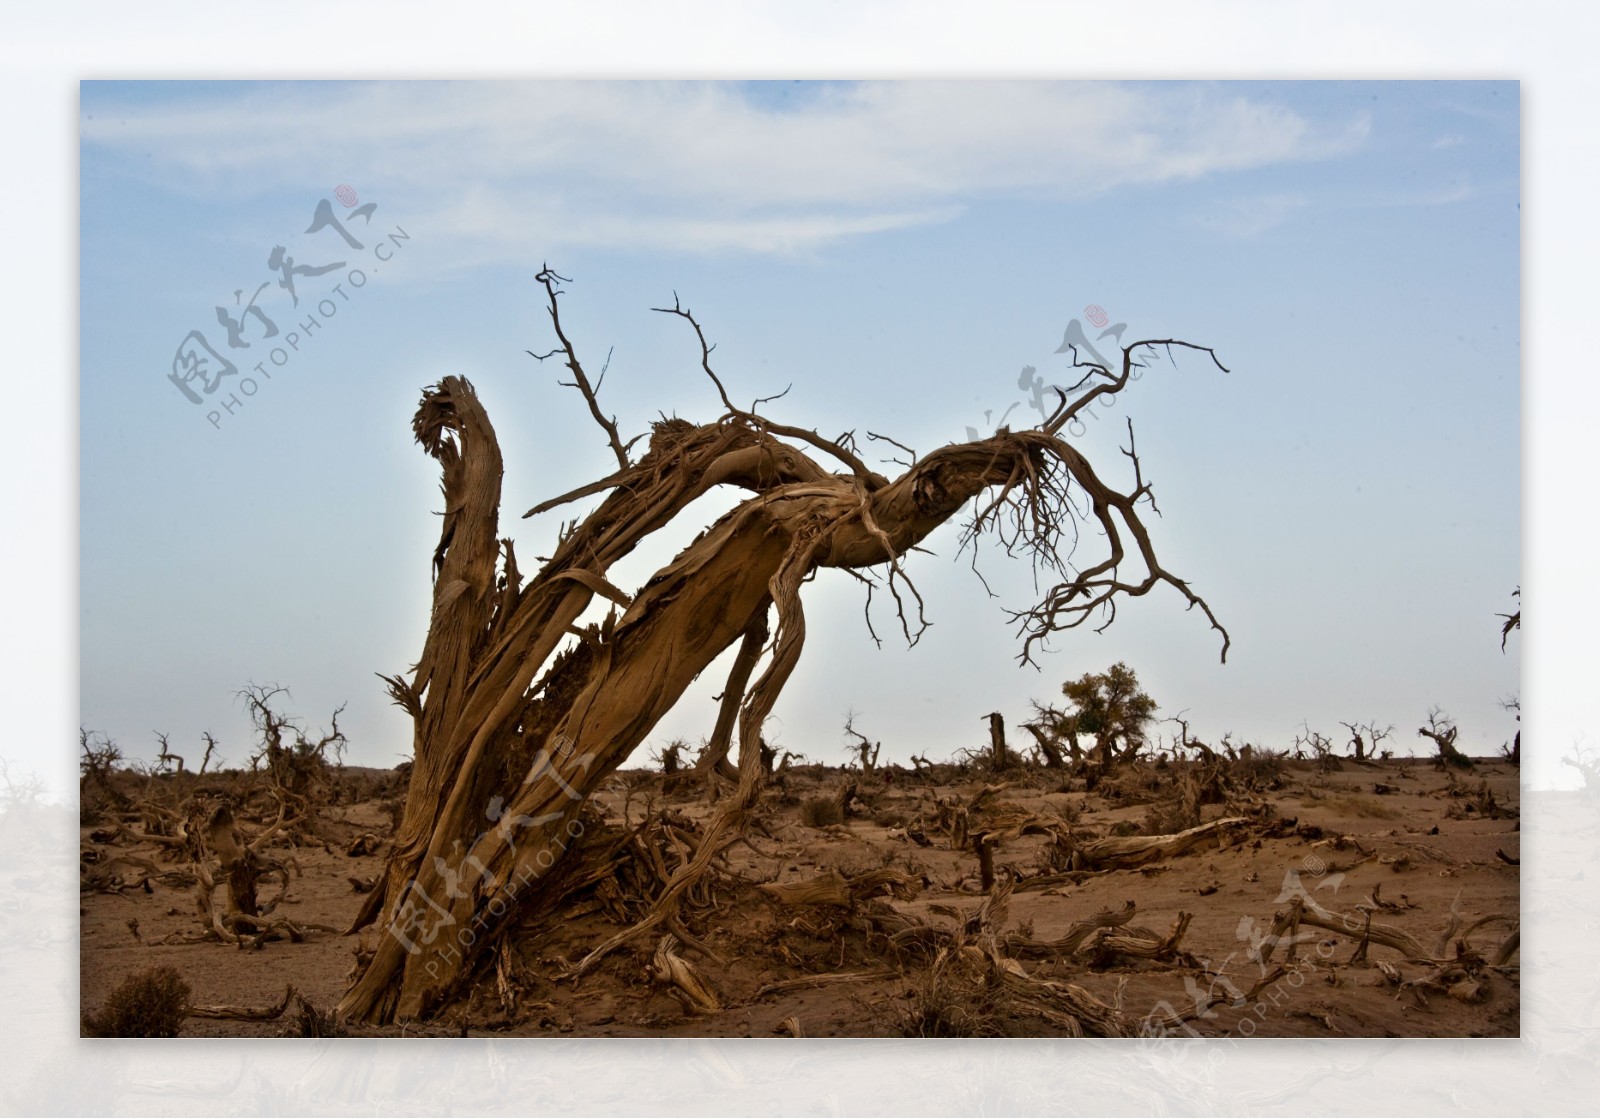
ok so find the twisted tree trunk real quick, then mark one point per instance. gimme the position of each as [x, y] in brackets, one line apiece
[513, 732]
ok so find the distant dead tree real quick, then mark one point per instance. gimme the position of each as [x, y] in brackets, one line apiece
[505, 670]
[1513, 753]
[1054, 730]
[211, 747]
[1511, 621]
[165, 757]
[670, 759]
[292, 761]
[1319, 746]
[1364, 738]
[1187, 741]
[1443, 731]
[865, 749]
[98, 758]
[999, 756]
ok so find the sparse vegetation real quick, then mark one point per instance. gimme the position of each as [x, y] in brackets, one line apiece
[150, 1003]
[308, 1021]
[820, 812]
[672, 893]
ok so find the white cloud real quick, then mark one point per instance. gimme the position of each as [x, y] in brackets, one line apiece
[697, 165]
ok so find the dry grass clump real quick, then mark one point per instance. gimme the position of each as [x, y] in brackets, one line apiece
[308, 1021]
[952, 999]
[149, 1003]
[819, 812]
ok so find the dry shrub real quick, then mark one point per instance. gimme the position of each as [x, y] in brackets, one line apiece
[1257, 770]
[149, 1003]
[952, 999]
[1135, 783]
[819, 812]
[308, 1021]
[1169, 817]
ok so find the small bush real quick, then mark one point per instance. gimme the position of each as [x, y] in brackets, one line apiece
[950, 1002]
[308, 1021]
[147, 1004]
[819, 812]
[1169, 817]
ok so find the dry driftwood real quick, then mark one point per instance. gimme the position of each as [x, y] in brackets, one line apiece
[832, 888]
[806, 982]
[1125, 852]
[244, 1013]
[672, 970]
[1030, 949]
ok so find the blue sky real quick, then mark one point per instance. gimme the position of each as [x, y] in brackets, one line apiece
[1347, 497]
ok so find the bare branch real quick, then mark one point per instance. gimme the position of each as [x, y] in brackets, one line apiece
[872, 479]
[1114, 383]
[581, 382]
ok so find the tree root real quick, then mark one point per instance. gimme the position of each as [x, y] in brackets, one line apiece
[672, 970]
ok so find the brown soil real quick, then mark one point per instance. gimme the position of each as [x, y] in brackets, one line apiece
[1401, 833]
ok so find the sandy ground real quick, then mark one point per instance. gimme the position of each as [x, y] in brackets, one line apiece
[1401, 837]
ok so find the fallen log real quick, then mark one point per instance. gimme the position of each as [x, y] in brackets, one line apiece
[244, 1013]
[1286, 925]
[1029, 949]
[806, 982]
[832, 888]
[827, 888]
[1127, 852]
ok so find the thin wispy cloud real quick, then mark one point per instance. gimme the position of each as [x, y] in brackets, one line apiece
[1253, 215]
[702, 165]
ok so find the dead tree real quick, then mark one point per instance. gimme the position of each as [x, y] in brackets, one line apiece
[165, 757]
[865, 749]
[1052, 729]
[293, 762]
[1364, 738]
[518, 717]
[671, 761]
[1048, 749]
[1319, 745]
[1512, 621]
[999, 756]
[98, 758]
[1513, 752]
[1443, 730]
[211, 747]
